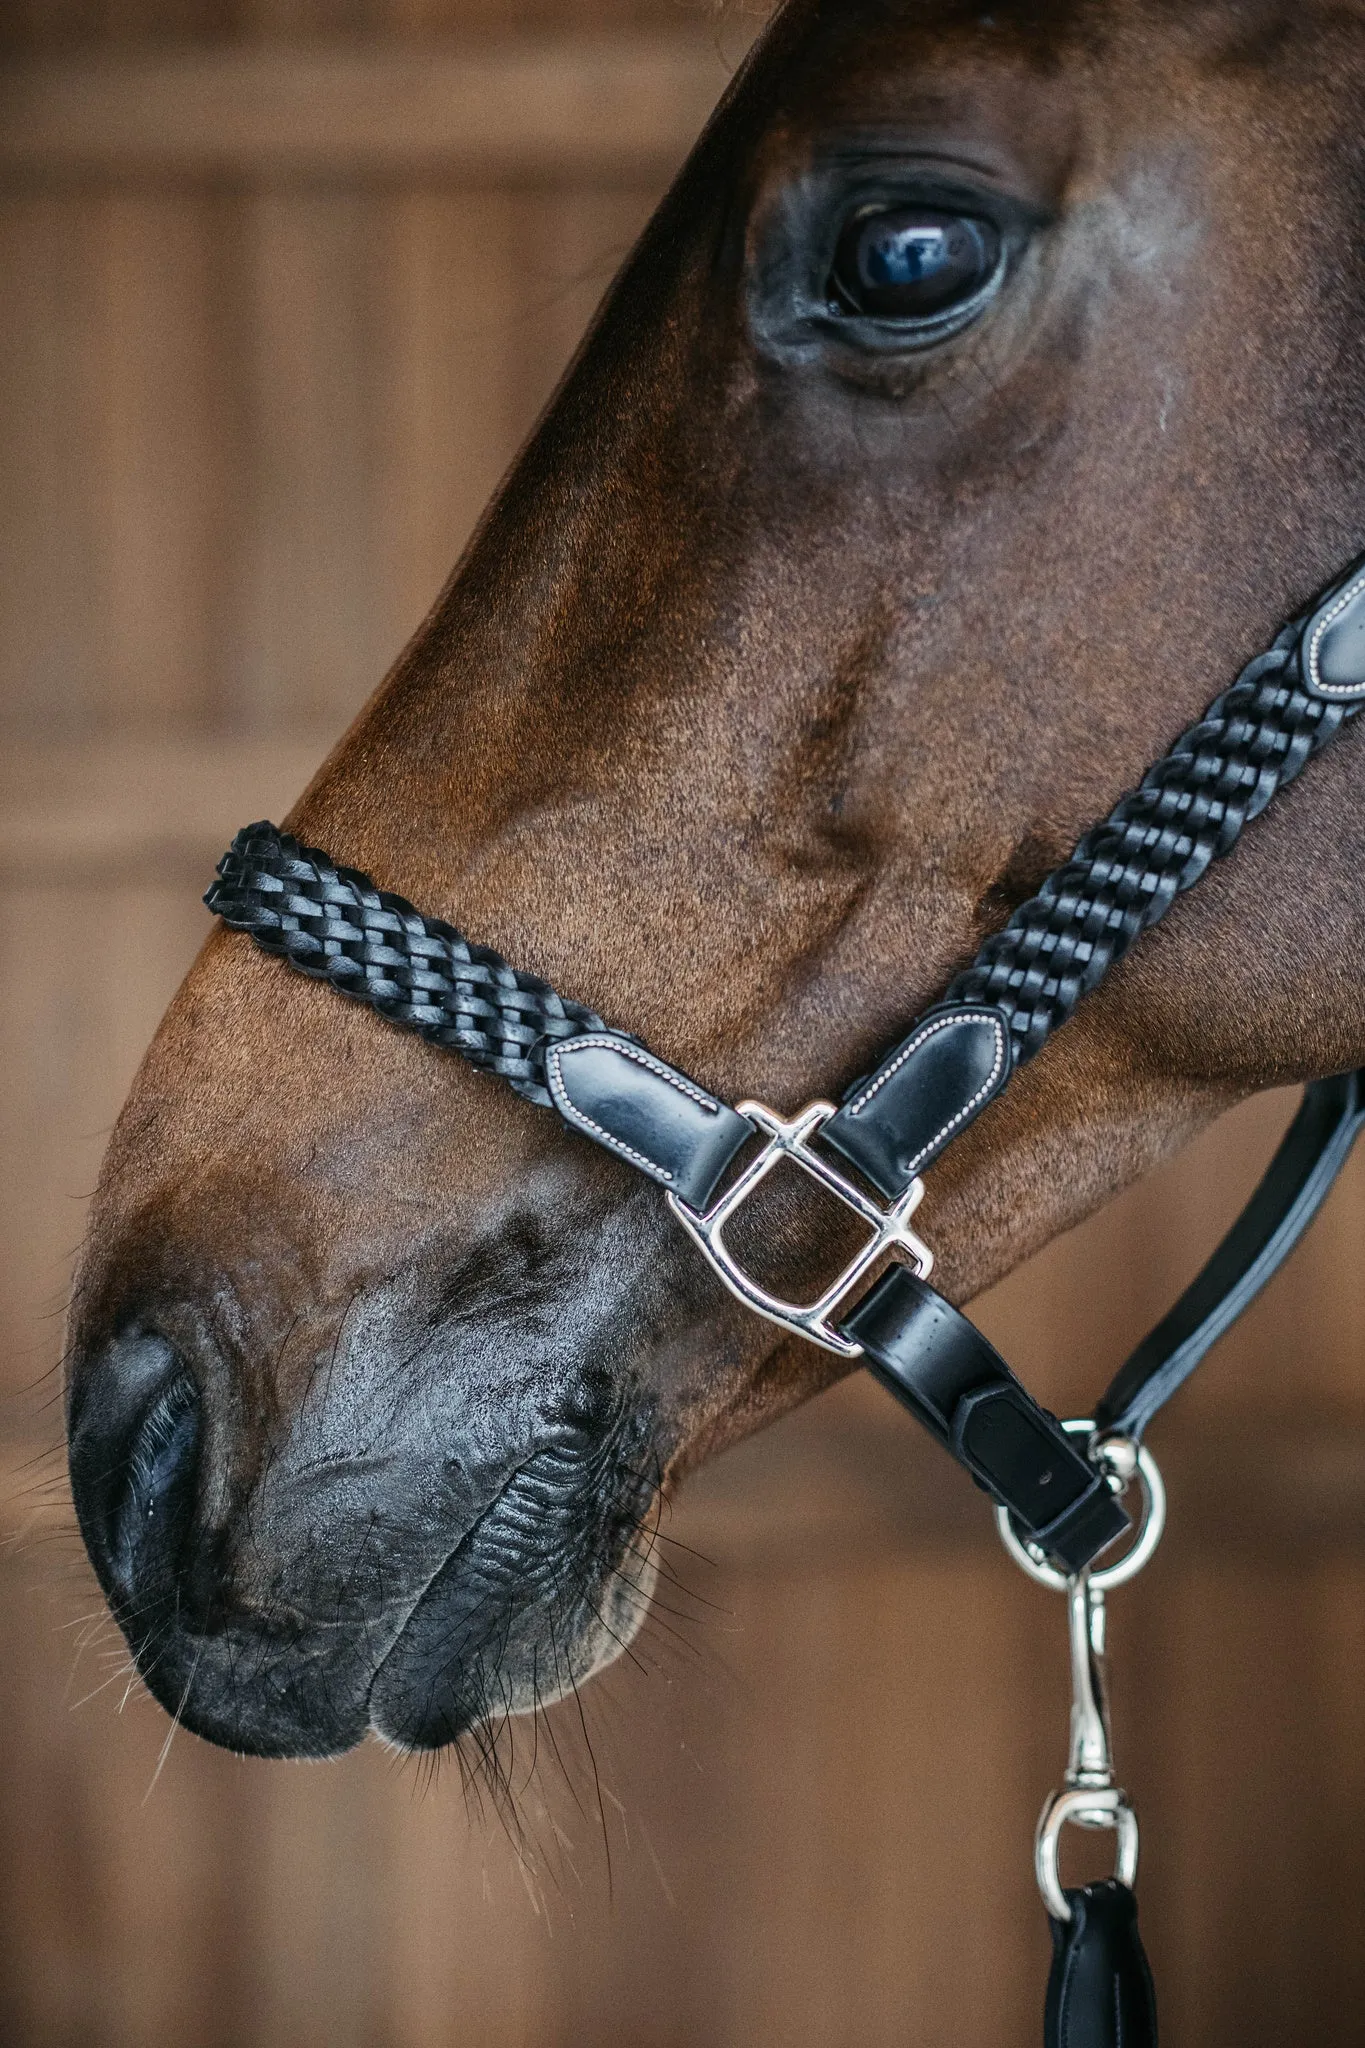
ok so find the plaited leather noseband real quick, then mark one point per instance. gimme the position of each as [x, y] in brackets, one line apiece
[1058, 1488]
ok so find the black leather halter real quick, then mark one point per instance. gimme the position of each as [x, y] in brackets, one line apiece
[892, 1124]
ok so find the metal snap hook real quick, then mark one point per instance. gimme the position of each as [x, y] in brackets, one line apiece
[1089, 1797]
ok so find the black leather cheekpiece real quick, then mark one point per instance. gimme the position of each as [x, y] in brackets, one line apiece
[896, 1121]
[1333, 650]
[956, 1383]
[646, 1112]
[1100, 1993]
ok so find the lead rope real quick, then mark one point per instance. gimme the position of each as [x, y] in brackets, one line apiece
[1058, 1487]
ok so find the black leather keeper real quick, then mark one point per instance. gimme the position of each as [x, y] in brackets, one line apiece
[941, 1367]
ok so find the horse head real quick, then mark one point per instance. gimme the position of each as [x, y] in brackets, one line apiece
[981, 396]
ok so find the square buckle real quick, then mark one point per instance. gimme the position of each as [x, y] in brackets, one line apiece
[890, 1227]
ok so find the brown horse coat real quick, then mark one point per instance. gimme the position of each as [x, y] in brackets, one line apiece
[782, 668]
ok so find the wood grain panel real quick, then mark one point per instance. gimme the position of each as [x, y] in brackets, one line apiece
[452, 293]
[309, 643]
[301, 404]
[47, 26]
[516, 109]
[1253, 1813]
[132, 808]
[168, 407]
[119, 460]
[31, 26]
[884, 1667]
[50, 331]
[464, 1939]
[576, 239]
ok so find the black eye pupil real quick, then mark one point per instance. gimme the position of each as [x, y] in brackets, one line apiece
[911, 262]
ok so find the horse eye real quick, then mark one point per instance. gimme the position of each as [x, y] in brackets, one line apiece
[911, 263]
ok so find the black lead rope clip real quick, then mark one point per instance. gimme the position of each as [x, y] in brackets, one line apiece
[1100, 1993]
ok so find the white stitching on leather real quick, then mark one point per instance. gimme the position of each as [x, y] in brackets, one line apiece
[913, 1045]
[641, 1059]
[570, 1111]
[1327, 620]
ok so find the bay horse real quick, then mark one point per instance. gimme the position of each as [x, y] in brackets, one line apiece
[827, 605]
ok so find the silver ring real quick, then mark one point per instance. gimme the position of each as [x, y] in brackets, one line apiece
[1084, 1808]
[1031, 1559]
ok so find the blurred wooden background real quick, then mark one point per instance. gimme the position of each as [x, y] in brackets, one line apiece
[282, 285]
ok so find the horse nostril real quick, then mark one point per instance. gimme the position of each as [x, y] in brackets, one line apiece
[150, 1520]
[134, 1457]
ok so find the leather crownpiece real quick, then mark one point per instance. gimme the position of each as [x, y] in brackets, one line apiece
[1334, 645]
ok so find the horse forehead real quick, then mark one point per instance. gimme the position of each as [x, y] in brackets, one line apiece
[1092, 43]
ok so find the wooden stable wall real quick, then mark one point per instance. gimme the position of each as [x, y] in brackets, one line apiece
[282, 284]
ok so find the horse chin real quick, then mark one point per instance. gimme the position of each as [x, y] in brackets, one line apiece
[462, 1661]
[449, 1675]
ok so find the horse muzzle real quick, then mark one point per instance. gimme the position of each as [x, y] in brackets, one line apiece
[415, 1592]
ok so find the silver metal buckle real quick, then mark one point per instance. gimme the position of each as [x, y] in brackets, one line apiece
[890, 1227]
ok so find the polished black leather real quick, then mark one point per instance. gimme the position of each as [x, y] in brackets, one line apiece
[1100, 1993]
[938, 1363]
[1296, 1183]
[895, 1122]
[923, 1349]
[956, 1383]
[1333, 652]
[645, 1111]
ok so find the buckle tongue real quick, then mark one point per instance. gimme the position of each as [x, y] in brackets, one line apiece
[890, 1226]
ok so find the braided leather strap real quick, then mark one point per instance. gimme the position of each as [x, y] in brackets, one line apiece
[1125, 874]
[417, 971]
[1189, 810]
